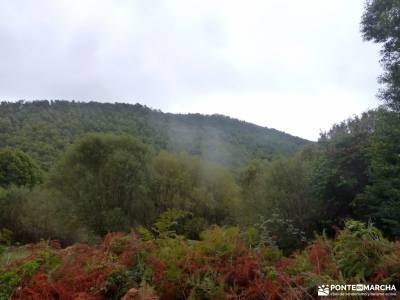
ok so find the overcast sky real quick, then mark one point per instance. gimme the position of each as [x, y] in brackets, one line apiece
[297, 66]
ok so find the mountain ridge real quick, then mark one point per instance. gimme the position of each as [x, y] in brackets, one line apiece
[45, 128]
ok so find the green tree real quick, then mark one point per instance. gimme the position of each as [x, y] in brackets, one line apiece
[190, 184]
[45, 129]
[38, 214]
[381, 200]
[340, 168]
[106, 178]
[380, 24]
[17, 168]
[280, 187]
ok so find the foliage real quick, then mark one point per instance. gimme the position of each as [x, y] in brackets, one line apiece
[167, 223]
[380, 24]
[104, 178]
[206, 243]
[128, 186]
[17, 168]
[359, 250]
[219, 266]
[117, 283]
[278, 231]
[188, 183]
[380, 200]
[219, 242]
[9, 281]
[5, 236]
[37, 214]
[282, 186]
[340, 168]
[109, 183]
[29, 268]
[44, 130]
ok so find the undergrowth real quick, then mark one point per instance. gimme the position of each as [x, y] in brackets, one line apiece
[225, 263]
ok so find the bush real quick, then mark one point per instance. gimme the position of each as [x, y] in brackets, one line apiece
[221, 265]
[218, 241]
[359, 250]
[9, 281]
[280, 232]
[5, 236]
[118, 283]
[17, 168]
[38, 214]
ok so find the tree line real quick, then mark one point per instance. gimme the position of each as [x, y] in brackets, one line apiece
[44, 130]
[107, 182]
[118, 180]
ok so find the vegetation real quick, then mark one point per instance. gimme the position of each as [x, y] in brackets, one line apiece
[200, 230]
[45, 129]
[223, 264]
[216, 208]
[380, 23]
[109, 174]
[17, 168]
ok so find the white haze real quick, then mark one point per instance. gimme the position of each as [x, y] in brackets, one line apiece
[297, 66]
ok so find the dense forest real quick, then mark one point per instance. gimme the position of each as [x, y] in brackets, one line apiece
[115, 201]
[44, 129]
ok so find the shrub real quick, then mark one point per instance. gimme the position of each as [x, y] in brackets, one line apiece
[118, 283]
[49, 260]
[359, 250]
[221, 265]
[29, 268]
[5, 236]
[280, 232]
[17, 168]
[8, 283]
[218, 241]
[118, 245]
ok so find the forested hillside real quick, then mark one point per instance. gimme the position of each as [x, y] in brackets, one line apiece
[115, 201]
[44, 129]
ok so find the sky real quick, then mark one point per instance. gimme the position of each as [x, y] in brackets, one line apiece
[297, 66]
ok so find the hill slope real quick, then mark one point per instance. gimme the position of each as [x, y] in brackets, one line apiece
[45, 128]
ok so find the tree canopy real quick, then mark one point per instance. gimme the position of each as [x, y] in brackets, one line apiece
[104, 179]
[45, 129]
[17, 168]
[380, 24]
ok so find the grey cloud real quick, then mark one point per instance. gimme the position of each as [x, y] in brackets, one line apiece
[176, 55]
